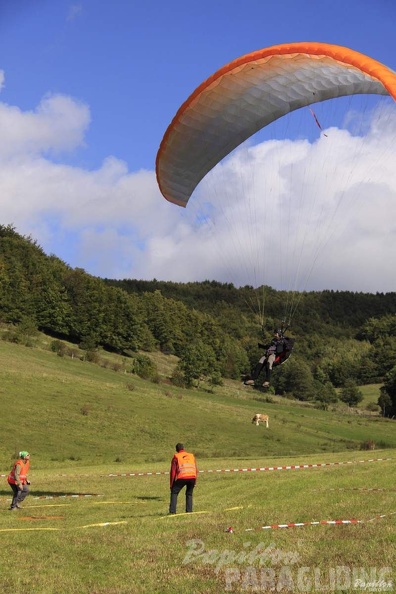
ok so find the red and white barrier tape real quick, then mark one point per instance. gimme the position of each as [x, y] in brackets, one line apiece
[364, 489]
[298, 524]
[138, 473]
[319, 523]
[261, 469]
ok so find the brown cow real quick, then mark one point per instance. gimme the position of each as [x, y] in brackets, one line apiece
[260, 418]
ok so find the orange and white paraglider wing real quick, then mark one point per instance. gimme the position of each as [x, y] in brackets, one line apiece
[251, 92]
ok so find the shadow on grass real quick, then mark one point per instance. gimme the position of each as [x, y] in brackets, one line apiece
[148, 498]
[35, 494]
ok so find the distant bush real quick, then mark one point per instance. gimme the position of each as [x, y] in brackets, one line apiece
[373, 407]
[92, 357]
[350, 394]
[73, 352]
[12, 336]
[369, 444]
[59, 347]
[216, 379]
[144, 367]
[178, 379]
[23, 334]
[117, 366]
[105, 363]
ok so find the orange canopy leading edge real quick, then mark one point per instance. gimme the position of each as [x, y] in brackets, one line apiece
[249, 93]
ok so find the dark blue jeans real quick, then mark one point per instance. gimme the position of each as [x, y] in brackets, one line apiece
[18, 496]
[176, 488]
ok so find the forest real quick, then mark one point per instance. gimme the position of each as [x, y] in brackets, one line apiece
[343, 340]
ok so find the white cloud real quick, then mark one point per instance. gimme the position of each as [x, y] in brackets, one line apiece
[300, 215]
[268, 214]
[58, 124]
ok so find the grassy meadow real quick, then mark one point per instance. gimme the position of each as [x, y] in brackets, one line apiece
[87, 425]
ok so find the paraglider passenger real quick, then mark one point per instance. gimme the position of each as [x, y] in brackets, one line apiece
[275, 353]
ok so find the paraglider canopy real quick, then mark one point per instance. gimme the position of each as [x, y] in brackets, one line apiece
[250, 93]
[264, 215]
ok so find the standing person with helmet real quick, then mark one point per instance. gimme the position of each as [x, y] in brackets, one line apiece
[183, 473]
[18, 479]
[275, 353]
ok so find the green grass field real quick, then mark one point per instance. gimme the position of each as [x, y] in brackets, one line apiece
[83, 423]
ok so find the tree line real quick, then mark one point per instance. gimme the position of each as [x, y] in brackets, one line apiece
[343, 339]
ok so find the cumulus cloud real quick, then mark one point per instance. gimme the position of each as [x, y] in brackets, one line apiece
[300, 215]
[294, 214]
[58, 124]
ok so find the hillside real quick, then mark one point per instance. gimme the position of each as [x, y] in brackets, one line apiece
[342, 340]
[79, 413]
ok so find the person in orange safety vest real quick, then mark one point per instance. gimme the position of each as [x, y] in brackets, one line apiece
[18, 479]
[183, 473]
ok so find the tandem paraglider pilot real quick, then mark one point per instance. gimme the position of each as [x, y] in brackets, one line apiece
[276, 353]
[183, 473]
[18, 480]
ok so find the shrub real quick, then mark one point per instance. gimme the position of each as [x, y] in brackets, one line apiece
[116, 366]
[369, 444]
[177, 378]
[144, 367]
[350, 394]
[92, 357]
[372, 407]
[216, 379]
[72, 352]
[12, 336]
[58, 347]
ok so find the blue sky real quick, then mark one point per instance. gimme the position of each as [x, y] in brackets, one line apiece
[89, 88]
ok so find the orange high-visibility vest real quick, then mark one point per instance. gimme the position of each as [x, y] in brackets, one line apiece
[186, 465]
[22, 475]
